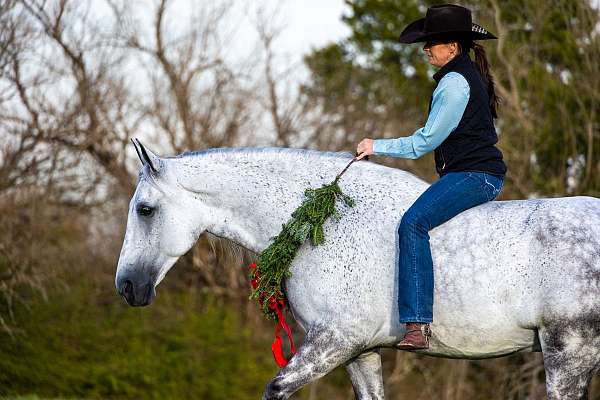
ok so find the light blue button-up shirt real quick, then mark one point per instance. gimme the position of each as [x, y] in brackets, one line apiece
[450, 99]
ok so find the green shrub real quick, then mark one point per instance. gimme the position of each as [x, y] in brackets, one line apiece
[87, 343]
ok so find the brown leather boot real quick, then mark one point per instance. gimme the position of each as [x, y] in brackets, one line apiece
[416, 337]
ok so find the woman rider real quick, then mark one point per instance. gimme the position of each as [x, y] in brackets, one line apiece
[460, 129]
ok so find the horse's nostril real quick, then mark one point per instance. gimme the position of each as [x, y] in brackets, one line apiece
[136, 295]
[127, 290]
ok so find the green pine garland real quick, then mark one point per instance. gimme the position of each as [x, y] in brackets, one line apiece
[307, 221]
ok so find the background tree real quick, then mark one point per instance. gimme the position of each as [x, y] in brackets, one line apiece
[545, 62]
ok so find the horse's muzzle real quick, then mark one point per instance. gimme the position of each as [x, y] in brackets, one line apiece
[136, 295]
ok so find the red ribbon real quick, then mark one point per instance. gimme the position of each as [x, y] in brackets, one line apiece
[278, 307]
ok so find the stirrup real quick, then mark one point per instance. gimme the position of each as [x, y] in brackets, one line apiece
[426, 330]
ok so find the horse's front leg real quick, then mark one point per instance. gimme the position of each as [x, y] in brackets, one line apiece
[324, 349]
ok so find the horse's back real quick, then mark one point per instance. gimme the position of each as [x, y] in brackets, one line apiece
[535, 248]
[569, 233]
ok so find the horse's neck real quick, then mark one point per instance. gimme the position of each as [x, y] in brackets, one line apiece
[251, 194]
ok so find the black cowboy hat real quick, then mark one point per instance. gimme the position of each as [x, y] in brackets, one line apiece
[445, 21]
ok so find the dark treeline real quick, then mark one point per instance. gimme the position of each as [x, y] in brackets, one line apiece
[79, 79]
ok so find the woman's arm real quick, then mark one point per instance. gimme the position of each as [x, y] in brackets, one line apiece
[450, 99]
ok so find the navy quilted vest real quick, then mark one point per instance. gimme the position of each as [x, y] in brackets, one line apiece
[471, 146]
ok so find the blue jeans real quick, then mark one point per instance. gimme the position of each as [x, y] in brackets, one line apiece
[448, 196]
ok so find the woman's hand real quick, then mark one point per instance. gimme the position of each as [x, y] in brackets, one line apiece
[364, 148]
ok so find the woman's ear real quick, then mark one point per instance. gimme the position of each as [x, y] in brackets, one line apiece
[453, 48]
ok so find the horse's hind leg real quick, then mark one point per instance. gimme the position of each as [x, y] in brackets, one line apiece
[571, 353]
[365, 373]
[324, 349]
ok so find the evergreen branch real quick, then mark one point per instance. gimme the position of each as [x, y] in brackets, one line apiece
[306, 223]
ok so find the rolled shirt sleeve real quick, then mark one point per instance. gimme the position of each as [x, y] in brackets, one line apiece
[450, 99]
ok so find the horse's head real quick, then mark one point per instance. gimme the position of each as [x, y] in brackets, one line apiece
[160, 229]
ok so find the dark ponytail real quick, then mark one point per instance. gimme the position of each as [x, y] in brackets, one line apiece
[484, 70]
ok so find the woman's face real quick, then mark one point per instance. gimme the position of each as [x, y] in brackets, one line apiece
[439, 53]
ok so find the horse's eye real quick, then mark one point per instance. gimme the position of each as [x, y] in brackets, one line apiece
[145, 210]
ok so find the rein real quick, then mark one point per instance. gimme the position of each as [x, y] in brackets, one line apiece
[345, 168]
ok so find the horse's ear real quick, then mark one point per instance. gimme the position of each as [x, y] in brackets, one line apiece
[147, 157]
[135, 146]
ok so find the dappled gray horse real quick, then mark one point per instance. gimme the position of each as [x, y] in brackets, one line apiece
[510, 276]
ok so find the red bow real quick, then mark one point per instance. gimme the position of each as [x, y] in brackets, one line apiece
[278, 306]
